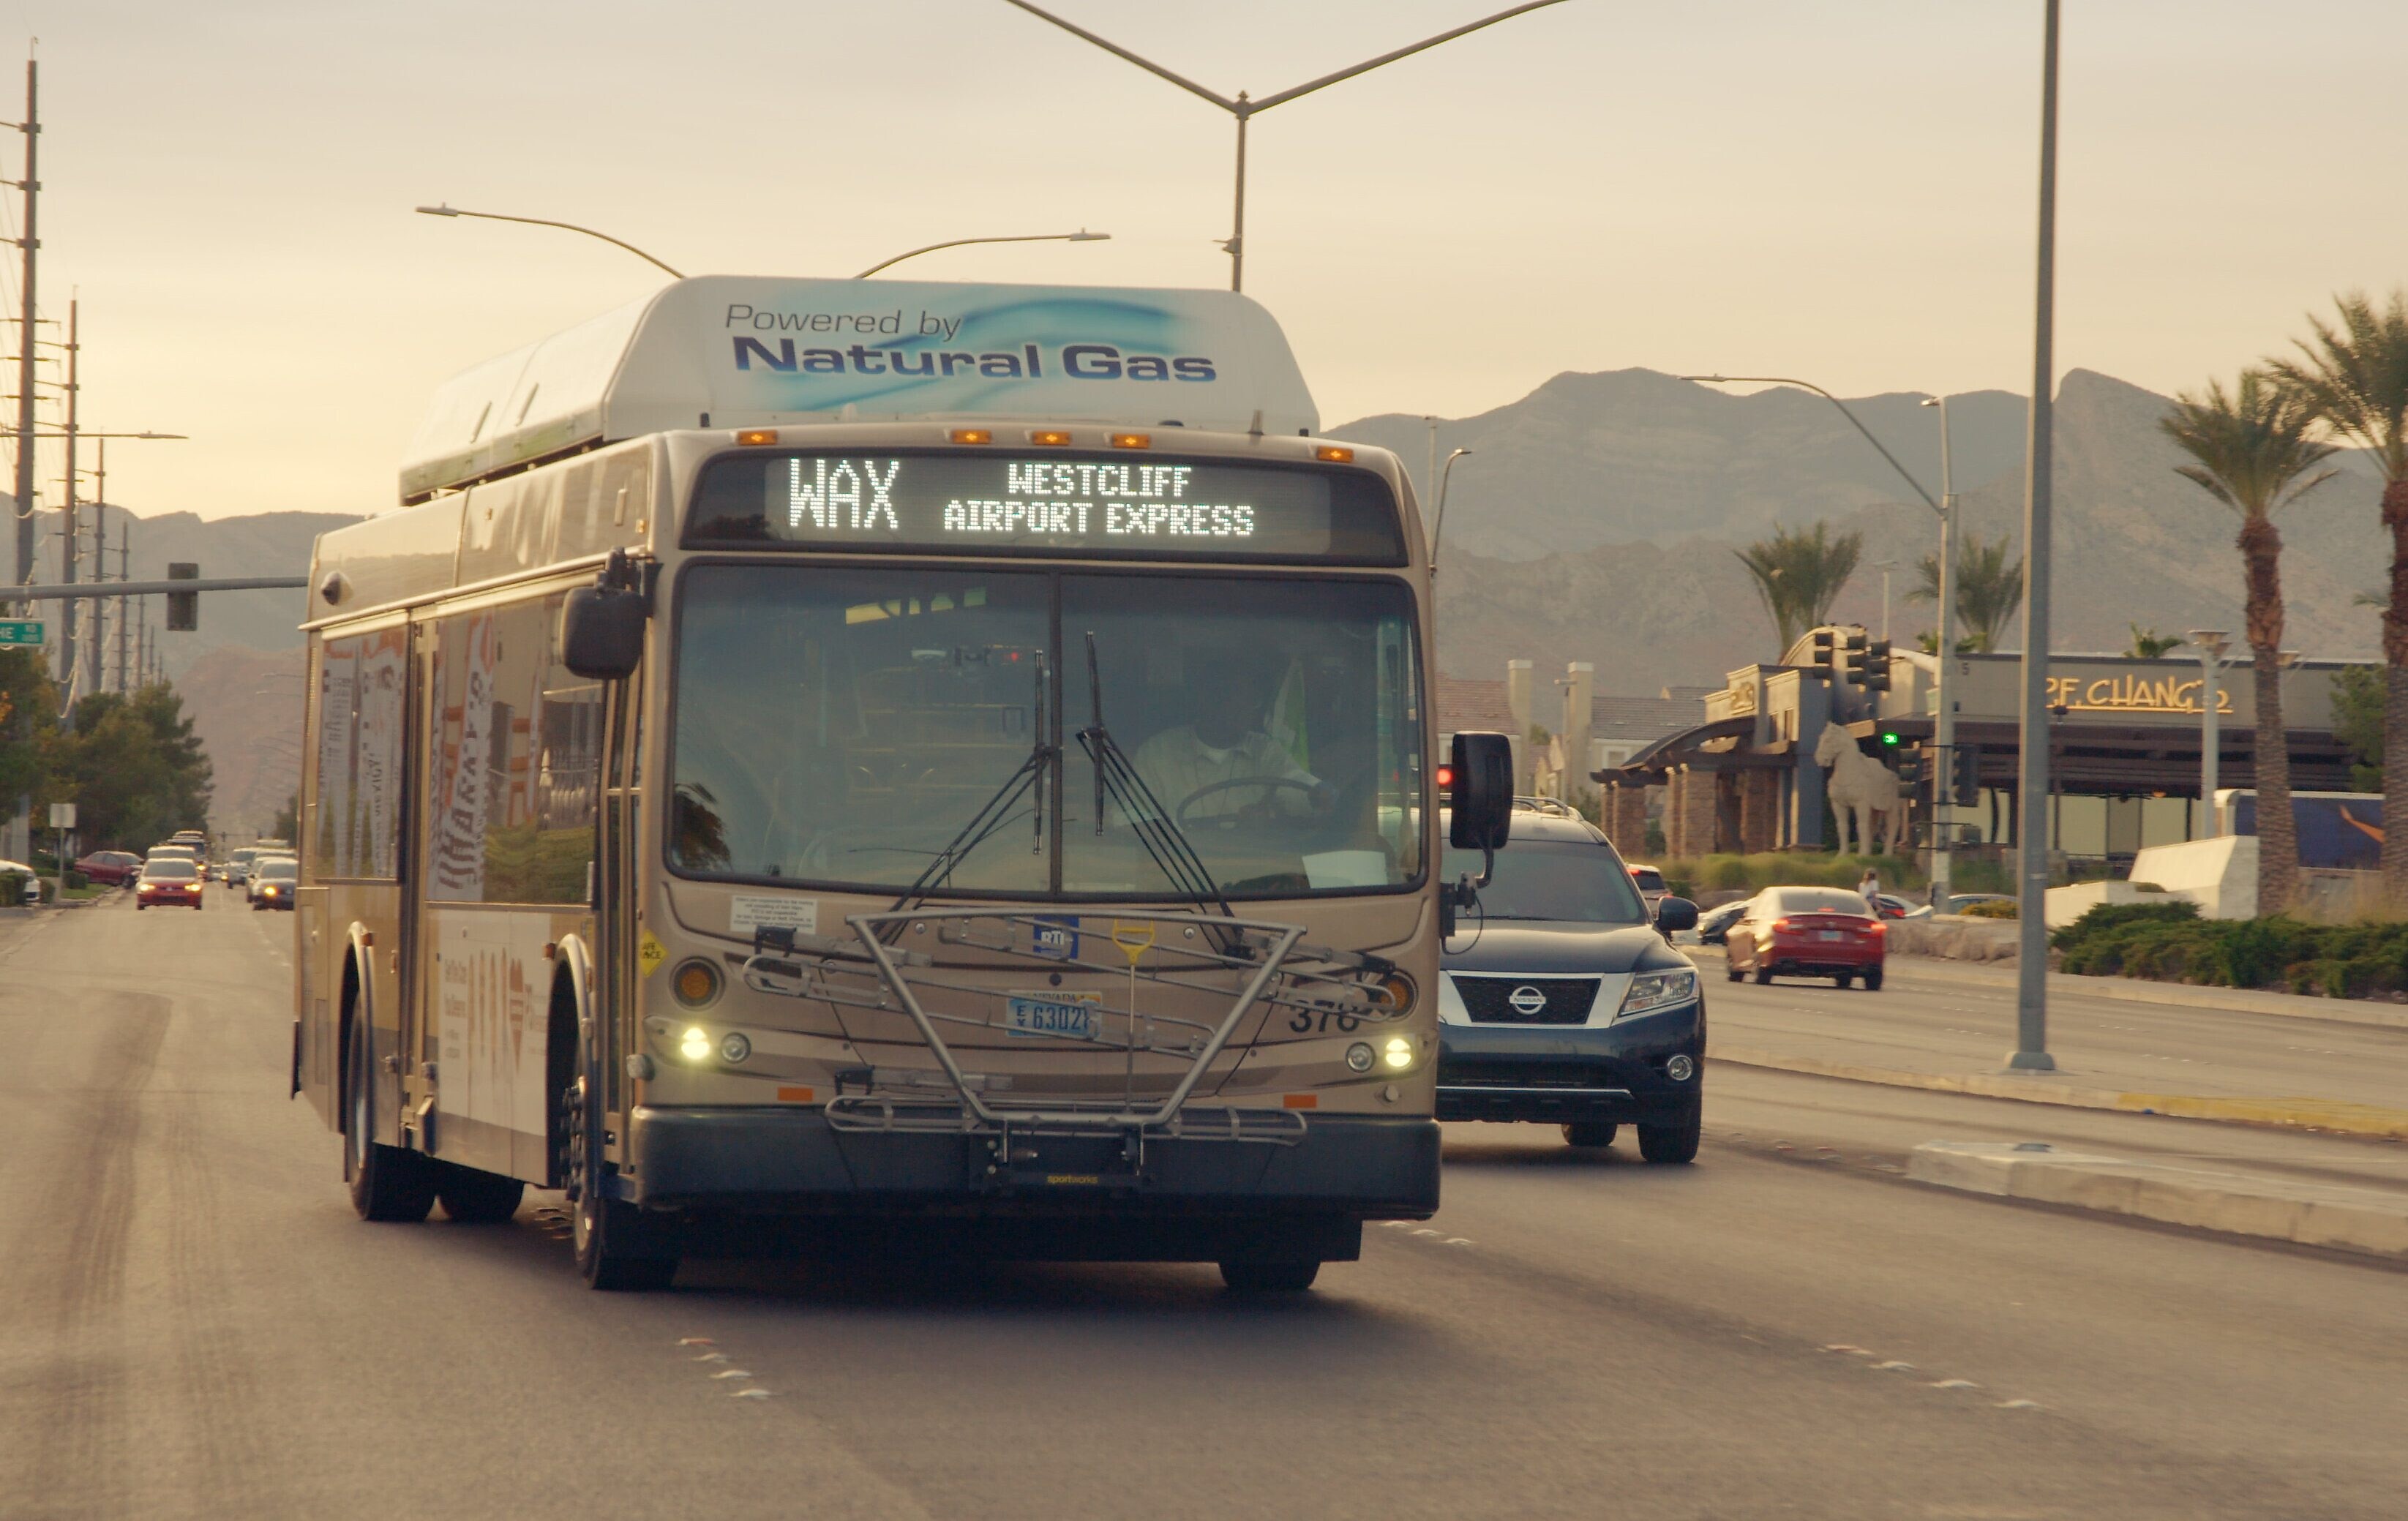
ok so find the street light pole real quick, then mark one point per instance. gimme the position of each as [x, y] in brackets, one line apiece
[2031, 844]
[1943, 721]
[1885, 566]
[2211, 644]
[26, 322]
[443, 210]
[1082, 235]
[1438, 526]
[1244, 108]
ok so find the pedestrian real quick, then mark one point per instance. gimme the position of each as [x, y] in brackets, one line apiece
[1871, 887]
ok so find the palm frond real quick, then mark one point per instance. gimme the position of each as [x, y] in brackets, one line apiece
[2353, 375]
[2252, 447]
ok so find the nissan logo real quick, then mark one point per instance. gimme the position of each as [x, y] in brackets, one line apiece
[1527, 1000]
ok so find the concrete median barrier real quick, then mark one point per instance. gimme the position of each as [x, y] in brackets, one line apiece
[2366, 1220]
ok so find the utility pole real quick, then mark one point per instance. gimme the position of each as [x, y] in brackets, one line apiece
[96, 636]
[1944, 722]
[124, 609]
[2031, 843]
[68, 545]
[31, 186]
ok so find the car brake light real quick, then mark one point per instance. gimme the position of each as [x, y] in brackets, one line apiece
[1778, 924]
[1880, 928]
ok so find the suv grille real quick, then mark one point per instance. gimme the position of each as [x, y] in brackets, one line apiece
[1489, 1000]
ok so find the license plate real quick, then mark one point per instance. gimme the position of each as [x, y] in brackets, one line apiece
[1054, 1018]
[1827, 935]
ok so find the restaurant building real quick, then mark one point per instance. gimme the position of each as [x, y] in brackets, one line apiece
[2126, 737]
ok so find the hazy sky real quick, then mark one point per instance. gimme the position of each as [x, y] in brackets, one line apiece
[1842, 190]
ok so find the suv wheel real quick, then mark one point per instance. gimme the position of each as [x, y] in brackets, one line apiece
[1590, 1133]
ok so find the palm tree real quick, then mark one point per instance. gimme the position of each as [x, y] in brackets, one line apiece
[2251, 451]
[2355, 377]
[1989, 589]
[1799, 575]
[2147, 643]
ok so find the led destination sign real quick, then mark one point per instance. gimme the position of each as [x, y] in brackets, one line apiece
[956, 502]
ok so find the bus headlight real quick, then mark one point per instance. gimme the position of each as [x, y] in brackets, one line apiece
[1360, 1056]
[1652, 990]
[734, 1047]
[694, 1046]
[1398, 1052]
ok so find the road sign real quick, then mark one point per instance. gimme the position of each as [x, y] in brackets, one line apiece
[22, 631]
[63, 815]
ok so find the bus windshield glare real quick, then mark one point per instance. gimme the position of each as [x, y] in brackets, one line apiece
[842, 727]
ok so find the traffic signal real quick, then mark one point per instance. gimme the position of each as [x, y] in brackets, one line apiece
[1822, 647]
[183, 608]
[1967, 777]
[1908, 763]
[1876, 675]
[1852, 658]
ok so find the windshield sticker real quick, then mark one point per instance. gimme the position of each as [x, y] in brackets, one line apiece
[748, 912]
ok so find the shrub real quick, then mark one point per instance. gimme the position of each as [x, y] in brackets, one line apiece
[1993, 908]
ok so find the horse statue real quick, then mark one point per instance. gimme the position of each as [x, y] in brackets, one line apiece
[1861, 790]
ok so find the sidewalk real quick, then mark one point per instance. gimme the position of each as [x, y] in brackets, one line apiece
[1951, 1034]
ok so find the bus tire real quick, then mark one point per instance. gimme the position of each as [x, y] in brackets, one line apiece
[477, 1197]
[387, 1183]
[1269, 1277]
[619, 1247]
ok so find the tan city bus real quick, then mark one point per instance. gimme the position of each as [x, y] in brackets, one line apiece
[823, 766]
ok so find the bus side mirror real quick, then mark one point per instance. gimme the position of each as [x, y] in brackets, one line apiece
[1481, 815]
[602, 632]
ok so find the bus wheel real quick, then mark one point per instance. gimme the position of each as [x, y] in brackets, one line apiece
[387, 1183]
[476, 1198]
[618, 1247]
[1269, 1277]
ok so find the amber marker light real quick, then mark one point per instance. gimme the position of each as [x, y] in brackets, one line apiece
[756, 436]
[1334, 455]
[972, 435]
[1050, 437]
[1132, 440]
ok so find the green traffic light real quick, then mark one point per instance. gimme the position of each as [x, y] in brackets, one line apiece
[1888, 738]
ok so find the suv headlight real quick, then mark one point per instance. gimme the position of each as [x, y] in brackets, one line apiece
[1650, 990]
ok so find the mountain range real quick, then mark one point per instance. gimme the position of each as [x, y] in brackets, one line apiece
[1596, 520]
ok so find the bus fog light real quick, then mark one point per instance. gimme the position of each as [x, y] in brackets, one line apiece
[1679, 1069]
[733, 1048]
[1399, 1052]
[1360, 1056]
[694, 1046]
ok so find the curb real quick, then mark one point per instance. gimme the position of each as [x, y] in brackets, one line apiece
[2325, 1114]
[2229, 1000]
[2364, 1220]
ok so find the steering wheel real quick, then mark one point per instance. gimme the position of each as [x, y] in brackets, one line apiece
[1230, 821]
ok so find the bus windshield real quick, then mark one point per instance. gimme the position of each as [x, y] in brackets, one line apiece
[844, 726]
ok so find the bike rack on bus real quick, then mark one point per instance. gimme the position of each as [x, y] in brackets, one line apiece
[878, 969]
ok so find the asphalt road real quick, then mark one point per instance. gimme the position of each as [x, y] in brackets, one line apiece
[196, 1326]
[1928, 1020]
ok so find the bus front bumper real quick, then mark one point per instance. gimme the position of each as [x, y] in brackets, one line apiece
[792, 1161]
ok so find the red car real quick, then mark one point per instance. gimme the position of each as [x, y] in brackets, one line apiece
[1807, 932]
[110, 868]
[169, 880]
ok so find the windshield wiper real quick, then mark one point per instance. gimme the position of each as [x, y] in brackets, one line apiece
[1175, 855]
[997, 810]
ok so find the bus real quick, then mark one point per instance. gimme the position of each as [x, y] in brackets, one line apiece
[820, 765]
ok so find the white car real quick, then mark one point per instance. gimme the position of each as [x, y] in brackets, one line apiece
[33, 889]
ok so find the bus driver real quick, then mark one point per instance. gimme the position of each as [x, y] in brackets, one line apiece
[1225, 765]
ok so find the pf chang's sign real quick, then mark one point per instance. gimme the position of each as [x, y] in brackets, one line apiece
[2132, 694]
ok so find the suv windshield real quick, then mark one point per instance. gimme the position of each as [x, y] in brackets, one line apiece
[1566, 880]
[844, 726]
[279, 870]
[171, 869]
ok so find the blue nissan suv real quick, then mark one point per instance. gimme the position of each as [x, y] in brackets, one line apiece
[1561, 1001]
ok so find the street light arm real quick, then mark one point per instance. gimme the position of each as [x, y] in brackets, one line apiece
[1146, 64]
[1438, 526]
[1307, 87]
[1809, 385]
[1082, 235]
[540, 221]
